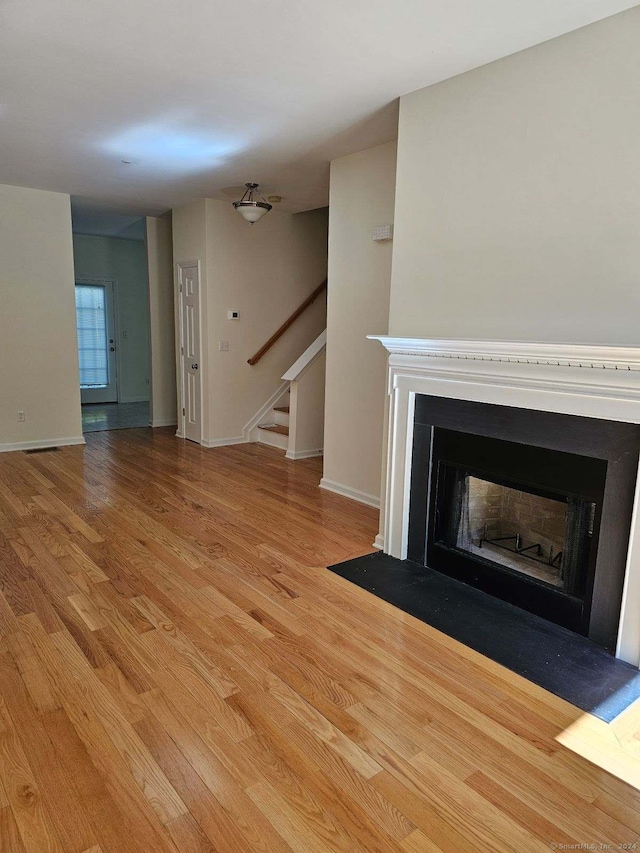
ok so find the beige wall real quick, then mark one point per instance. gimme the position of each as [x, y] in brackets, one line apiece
[126, 262]
[306, 424]
[361, 197]
[518, 196]
[38, 343]
[161, 320]
[264, 271]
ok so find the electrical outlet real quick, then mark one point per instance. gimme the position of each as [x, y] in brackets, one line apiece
[21, 417]
[224, 346]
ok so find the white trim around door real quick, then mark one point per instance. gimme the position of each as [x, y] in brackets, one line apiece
[189, 349]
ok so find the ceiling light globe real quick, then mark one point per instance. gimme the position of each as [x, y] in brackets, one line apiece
[252, 211]
[249, 208]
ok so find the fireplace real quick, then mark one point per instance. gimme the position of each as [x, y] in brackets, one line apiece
[514, 468]
[518, 521]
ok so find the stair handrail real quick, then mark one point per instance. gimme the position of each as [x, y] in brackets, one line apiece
[283, 328]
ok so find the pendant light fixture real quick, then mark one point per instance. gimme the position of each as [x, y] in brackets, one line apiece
[248, 207]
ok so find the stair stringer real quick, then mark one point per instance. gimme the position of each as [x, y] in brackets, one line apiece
[250, 430]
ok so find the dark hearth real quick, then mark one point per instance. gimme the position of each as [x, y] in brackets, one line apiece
[561, 661]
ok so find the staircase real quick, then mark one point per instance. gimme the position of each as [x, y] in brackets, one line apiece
[275, 429]
[295, 424]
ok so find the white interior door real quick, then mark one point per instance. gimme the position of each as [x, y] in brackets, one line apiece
[189, 284]
[95, 323]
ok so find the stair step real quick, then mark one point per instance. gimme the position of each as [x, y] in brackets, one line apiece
[284, 409]
[281, 430]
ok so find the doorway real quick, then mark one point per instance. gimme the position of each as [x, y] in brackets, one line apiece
[125, 276]
[112, 327]
[96, 327]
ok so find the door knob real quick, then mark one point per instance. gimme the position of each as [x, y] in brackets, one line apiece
[194, 367]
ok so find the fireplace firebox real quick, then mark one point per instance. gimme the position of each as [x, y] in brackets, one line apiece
[532, 507]
[518, 521]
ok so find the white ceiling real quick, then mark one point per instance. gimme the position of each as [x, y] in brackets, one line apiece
[203, 95]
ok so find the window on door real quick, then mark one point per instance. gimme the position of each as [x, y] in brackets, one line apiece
[93, 345]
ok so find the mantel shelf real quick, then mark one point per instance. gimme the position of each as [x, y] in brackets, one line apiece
[518, 352]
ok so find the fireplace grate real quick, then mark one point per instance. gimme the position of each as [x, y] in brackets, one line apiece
[534, 551]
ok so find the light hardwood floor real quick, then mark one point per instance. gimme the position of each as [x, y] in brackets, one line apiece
[179, 672]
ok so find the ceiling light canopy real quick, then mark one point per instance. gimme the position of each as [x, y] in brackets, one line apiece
[248, 207]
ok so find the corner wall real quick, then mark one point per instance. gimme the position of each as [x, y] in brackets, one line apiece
[38, 341]
[518, 196]
[164, 400]
[361, 197]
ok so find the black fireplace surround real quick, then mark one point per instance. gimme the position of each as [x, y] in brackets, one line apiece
[588, 466]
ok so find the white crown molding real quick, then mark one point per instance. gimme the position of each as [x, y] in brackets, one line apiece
[599, 382]
[518, 352]
[42, 444]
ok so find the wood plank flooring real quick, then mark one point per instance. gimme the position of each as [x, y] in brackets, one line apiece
[179, 673]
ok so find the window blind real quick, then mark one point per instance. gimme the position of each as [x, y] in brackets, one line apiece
[91, 321]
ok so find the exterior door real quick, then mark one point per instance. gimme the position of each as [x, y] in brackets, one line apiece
[95, 323]
[189, 284]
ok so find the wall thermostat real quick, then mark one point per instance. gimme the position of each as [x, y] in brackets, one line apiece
[382, 232]
[233, 315]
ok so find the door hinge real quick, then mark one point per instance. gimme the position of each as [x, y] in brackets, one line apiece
[184, 411]
[181, 350]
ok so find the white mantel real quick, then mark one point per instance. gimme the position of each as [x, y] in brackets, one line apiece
[590, 381]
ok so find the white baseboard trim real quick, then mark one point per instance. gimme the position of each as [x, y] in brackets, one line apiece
[42, 444]
[162, 422]
[348, 492]
[378, 542]
[303, 454]
[179, 433]
[133, 400]
[224, 442]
